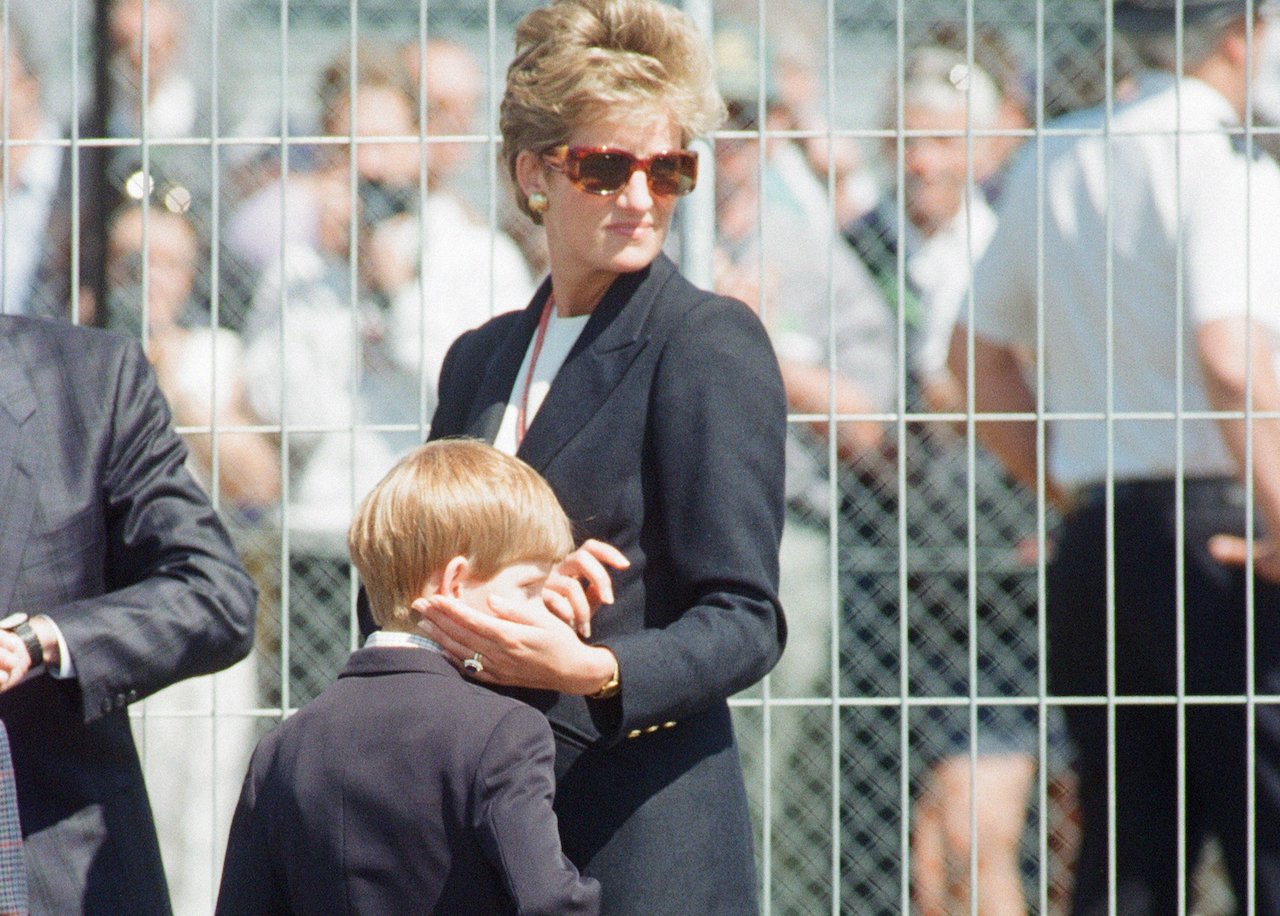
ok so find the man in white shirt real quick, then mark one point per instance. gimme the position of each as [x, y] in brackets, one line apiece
[1155, 225]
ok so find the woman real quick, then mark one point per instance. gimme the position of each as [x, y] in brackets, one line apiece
[656, 411]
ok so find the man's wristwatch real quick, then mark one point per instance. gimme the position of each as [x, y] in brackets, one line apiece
[19, 625]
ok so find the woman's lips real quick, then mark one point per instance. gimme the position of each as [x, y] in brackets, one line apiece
[629, 230]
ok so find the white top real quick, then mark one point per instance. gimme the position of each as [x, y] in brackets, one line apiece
[1196, 192]
[562, 334]
[940, 267]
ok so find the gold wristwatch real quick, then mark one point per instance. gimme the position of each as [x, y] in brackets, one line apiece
[610, 687]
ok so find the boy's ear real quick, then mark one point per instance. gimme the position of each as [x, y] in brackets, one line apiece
[455, 573]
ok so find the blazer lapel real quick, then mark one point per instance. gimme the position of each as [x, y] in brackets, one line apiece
[598, 361]
[17, 494]
[490, 402]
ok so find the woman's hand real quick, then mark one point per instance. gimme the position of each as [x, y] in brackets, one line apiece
[581, 583]
[518, 648]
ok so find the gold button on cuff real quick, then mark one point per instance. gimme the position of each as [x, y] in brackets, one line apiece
[668, 725]
[634, 733]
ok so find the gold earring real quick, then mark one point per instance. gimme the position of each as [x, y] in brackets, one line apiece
[538, 202]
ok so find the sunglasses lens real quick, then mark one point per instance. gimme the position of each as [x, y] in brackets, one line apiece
[608, 171]
[673, 174]
[604, 173]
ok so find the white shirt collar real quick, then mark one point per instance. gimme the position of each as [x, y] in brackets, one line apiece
[393, 639]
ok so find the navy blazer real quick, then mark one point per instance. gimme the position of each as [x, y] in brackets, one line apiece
[103, 529]
[402, 788]
[663, 435]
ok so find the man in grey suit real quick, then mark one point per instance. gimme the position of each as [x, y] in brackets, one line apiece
[116, 579]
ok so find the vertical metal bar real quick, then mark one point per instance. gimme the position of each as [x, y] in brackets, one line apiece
[215, 311]
[833, 472]
[74, 217]
[698, 210]
[286, 592]
[1042, 473]
[144, 190]
[971, 494]
[766, 314]
[215, 713]
[355, 417]
[99, 190]
[492, 148]
[144, 127]
[1251, 728]
[215, 286]
[1180, 596]
[1108, 271]
[424, 115]
[900, 430]
[5, 150]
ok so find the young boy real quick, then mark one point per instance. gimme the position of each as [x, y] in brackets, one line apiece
[404, 788]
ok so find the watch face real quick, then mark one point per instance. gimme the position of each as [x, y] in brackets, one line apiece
[13, 620]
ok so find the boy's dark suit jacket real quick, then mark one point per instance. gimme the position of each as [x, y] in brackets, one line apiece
[103, 530]
[663, 435]
[402, 789]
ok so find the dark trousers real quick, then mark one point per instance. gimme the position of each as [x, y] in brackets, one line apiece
[1216, 653]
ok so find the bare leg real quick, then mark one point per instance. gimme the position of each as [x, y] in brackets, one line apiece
[941, 848]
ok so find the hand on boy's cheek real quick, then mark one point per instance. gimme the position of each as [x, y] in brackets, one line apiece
[524, 646]
[531, 614]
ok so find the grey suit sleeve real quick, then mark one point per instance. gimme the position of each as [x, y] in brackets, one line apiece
[514, 788]
[718, 443]
[177, 601]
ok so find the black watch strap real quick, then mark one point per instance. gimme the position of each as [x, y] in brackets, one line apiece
[20, 626]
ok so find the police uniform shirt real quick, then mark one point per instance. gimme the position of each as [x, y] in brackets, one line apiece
[1173, 195]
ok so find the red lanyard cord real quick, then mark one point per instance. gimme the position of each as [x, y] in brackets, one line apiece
[543, 320]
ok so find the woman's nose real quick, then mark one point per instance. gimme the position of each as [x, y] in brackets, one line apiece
[635, 193]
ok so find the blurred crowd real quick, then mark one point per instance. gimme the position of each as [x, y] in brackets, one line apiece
[296, 303]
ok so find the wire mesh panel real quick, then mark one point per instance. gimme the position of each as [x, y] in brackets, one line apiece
[297, 206]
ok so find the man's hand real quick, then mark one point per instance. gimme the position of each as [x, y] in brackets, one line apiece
[1231, 550]
[15, 661]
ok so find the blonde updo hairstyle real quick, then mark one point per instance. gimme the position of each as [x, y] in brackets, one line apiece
[583, 60]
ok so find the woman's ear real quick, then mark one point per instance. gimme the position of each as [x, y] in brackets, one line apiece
[530, 172]
[455, 573]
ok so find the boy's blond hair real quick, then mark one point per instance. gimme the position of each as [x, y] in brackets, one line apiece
[454, 497]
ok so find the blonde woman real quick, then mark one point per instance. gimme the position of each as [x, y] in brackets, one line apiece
[656, 411]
